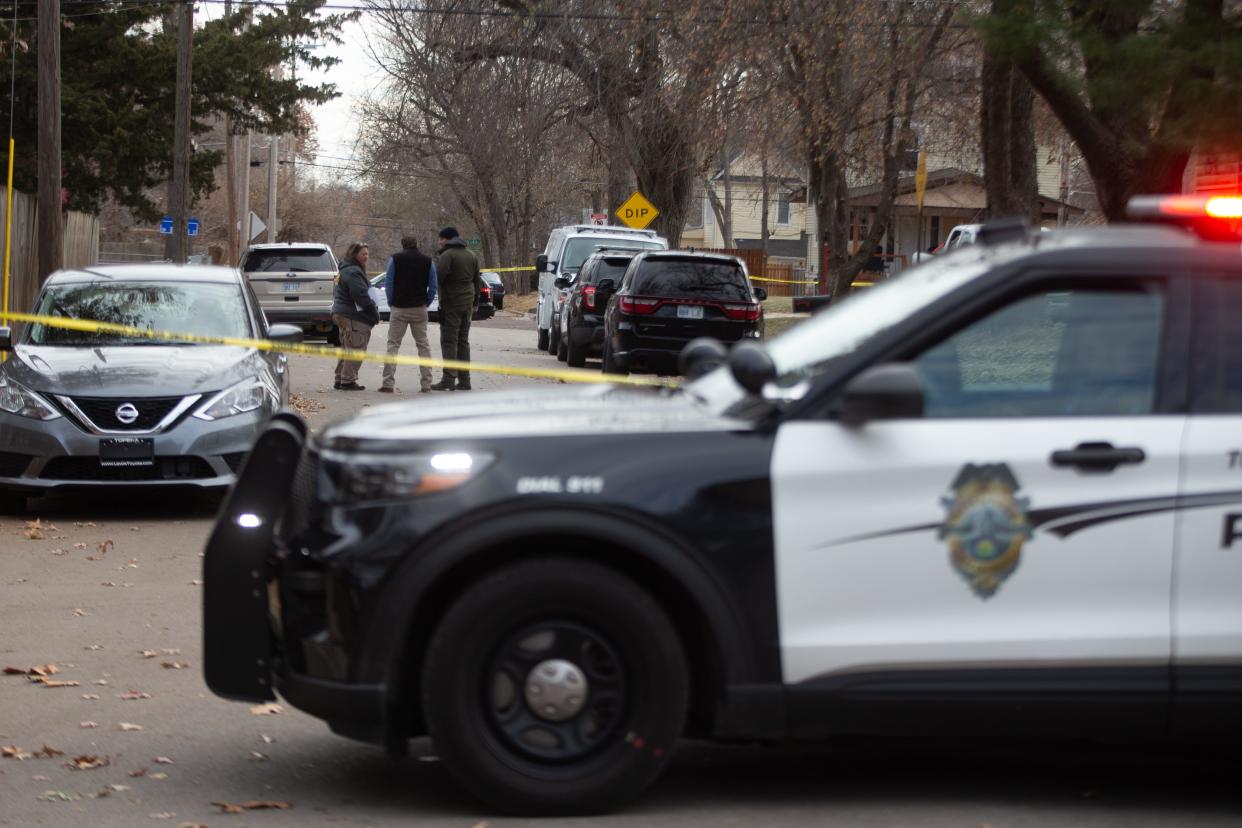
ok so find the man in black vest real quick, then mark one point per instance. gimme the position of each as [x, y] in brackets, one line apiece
[411, 285]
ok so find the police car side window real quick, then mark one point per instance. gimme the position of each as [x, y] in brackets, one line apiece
[1218, 356]
[1056, 352]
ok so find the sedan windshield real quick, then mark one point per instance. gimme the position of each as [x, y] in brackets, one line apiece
[200, 308]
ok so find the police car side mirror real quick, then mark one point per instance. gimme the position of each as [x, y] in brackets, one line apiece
[541, 263]
[561, 282]
[6, 339]
[606, 285]
[751, 367]
[885, 392]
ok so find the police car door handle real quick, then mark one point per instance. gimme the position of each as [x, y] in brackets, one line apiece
[1097, 457]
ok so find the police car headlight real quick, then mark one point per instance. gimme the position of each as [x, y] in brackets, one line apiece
[365, 478]
[23, 402]
[247, 395]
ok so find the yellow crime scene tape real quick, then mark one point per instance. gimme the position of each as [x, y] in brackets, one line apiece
[329, 352]
[785, 281]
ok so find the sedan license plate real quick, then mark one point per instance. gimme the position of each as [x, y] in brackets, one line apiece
[290, 287]
[689, 311]
[127, 451]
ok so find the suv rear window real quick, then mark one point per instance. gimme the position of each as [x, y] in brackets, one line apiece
[292, 260]
[692, 279]
[610, 268]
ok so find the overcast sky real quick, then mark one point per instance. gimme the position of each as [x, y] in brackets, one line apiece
[353, 76]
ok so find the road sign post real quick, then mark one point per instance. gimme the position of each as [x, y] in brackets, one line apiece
[637, 212]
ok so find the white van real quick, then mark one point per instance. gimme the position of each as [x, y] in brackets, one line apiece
[567, 248]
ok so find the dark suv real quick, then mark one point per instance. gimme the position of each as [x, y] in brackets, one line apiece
[667, 299]
[584, 309]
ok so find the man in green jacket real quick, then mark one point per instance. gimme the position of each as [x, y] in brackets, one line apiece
[460, 288]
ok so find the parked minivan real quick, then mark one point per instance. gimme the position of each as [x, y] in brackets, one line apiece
[293, 281]
[567, 248]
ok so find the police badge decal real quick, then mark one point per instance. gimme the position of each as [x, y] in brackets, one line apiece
[985, 525]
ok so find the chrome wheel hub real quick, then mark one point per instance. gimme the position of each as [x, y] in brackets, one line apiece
[556, 690]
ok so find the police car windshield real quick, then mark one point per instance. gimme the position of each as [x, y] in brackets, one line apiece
[844, 326]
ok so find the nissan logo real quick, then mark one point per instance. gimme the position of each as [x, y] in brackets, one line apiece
[126, 413]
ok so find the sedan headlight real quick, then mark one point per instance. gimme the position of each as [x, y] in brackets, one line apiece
[366, 478]
[247, 395]
[23, 402]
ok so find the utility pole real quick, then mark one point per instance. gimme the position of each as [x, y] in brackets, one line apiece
[50, 229]
[230, 173]
[271, 189]
[245, 197]
[1063, 194]
[177, 247]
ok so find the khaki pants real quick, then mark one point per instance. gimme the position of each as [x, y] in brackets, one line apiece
[354, 335]
[416, 320]
[455, 340]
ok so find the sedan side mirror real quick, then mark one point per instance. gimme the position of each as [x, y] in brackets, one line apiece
[885, 392]
[541, 263]
[288, 334]
[606, 285]
[6, 339]
[761, 294]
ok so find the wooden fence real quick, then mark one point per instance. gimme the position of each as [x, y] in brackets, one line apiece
[781, 278]
[81, 246]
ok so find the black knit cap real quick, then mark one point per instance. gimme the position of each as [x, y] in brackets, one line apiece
[449, 233]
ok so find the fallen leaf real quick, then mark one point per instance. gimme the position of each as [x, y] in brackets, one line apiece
[14, 752]
[90, 696]
[139, 772]
[108, 583]
[148, 653]
[255, 756]
[88, 725]
[58, 796]
[114, 787]
[253, 805]
[133, 695]
[100, 682]
[132, 563]
[196, 582]
[47, 682]
[40, 779]
[43, 670]
[79, 612]
[79, 546]
[164, 760]
[267, 740]
[162, 815]
[159, 776]
[104, 545]
[127, 727]
[60, 552]
[84, 524]
[173, 665]
[47, 752]
[266, 709]
[135, 529]
[88, 762]
[93, 647]
[171, 651]
[191, 825]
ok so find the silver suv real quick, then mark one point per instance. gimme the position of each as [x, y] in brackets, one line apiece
[293, 281]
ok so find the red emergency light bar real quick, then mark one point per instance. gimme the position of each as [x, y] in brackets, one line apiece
[1216, 218]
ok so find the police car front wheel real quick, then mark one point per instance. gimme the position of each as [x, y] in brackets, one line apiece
[555, 686]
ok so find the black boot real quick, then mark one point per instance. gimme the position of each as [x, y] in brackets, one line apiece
[462, 385]
[445, 384]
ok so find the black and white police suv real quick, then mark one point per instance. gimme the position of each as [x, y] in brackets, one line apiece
[999, 494]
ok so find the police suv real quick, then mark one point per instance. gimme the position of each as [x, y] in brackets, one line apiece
[1000, 494]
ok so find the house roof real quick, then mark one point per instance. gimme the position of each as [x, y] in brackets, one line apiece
[783, 248]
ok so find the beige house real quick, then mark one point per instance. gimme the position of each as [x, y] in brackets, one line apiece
[786, 214]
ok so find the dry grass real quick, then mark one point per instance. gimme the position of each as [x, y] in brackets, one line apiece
[521, 304]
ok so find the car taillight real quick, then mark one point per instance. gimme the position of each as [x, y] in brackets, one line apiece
[588, 296]
[744, 313]
[639, 304]
[486, 293]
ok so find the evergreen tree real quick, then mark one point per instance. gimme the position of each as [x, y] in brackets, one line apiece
[118, 68]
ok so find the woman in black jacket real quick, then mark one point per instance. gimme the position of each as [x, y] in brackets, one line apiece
[354, 313]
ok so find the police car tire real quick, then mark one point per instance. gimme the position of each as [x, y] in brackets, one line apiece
[575, 356]
[562, 350]
[610, 365]
[551, 590]
[543, 339]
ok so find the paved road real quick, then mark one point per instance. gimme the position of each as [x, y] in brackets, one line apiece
[121, 618]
